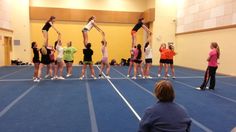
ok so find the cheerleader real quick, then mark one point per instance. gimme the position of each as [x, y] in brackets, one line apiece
[91, 23]
[104, 61]
[36, 61]
[46, 28]
[210, 73]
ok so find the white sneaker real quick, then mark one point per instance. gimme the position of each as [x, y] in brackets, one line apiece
[108, 77]
[168, 75]
[36, 80]
[100, 77]
[68, 75]
[144, 77]
[93, 77]
[81, 78]
[61, 78]
[198, 88]
[165, 78]
[46, 76]
[173, 77]
[140, 75]
[128, 75]
[158, 75]
[54, 78]
[133, 77]
[149, 77]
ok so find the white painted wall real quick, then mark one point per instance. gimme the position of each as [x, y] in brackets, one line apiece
[5, 14]
[5, 23]
[21, 28]
[112, 5]
[164, 26]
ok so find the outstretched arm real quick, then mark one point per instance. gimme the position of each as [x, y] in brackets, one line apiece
[99, 29]
[59, 37]
[54, 28]
[149, 39]
[146, 29]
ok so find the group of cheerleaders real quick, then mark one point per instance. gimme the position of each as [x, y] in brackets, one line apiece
[65, 55]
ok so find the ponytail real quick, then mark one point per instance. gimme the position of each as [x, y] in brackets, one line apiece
[146, 45]
[91, 18]
[51, 18]
[55, 44]
[139, 51]
[216, 46]
[33, 44]
[44, 50]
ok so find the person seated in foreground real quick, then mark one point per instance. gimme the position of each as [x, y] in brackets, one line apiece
[165, 115]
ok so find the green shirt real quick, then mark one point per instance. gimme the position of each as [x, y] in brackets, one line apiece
[69, 53]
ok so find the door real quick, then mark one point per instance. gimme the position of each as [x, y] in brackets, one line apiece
[7, 50]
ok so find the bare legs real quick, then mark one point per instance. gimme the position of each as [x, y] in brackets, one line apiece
[69, 68]
[45, 36]
[160, 69]
[136, 68]
[147, 70]
[36, 70]
[91, 71]
[85, 36]
[103, 65]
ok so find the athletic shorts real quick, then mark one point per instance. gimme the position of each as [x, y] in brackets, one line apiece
[104, 60]
[88, 62]
[148, 60]
[58, 60]
[45, 62]
[163, 61]
[169, 61]
[138, 61]
[85, 30]
[68, 61]
[133, 32]
[36, 61]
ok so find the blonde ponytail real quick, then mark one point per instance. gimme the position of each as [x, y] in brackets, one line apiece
[44, 50]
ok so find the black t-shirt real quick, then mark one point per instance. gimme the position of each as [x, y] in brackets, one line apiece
[88, 54]
[46, 26]
[137, 26]
[45, 58]
[36, 54]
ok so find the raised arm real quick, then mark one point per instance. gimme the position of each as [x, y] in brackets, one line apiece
[99, 29]
[54, 28]
[146, 29]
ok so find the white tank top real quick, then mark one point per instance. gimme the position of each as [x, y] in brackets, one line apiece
[148, 52]
[60, 51]
[89, 26]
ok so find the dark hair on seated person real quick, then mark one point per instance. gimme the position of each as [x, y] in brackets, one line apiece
[164, 91]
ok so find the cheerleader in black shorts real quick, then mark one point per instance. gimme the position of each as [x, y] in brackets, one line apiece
[170, 53]
[45, 60]
[36, 61]
[162, 61]
[148, 58]
[138, 61]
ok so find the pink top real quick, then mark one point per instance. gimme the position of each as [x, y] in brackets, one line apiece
[135, 53]
[213, 58]
[104, 51]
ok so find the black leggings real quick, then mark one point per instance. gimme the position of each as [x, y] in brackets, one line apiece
[209, 74]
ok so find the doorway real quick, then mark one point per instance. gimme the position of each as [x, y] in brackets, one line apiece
[7, 50]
